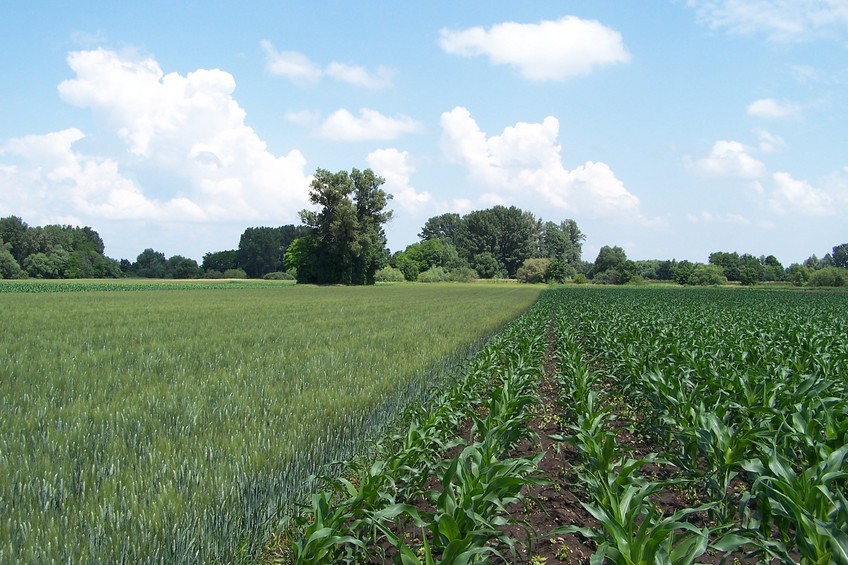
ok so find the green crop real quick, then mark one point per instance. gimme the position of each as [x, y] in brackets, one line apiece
[177, 425]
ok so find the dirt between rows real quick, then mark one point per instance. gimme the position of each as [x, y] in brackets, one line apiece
[558, 503]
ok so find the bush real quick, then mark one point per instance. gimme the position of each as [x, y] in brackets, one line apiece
[235, 274]
[580, 278]
[278, 276]
[213, 274]
[433, 274]
[829, 276]
[462, 274]
[533, 270]
[389, 274]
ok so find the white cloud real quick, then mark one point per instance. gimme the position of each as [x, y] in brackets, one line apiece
[795, 196]
[298, 68]
[782, 20]
[772, 109]
[341, 125]
[730, 158]
[769, 142]
[395, 167]
[360, 76]
[550, 50]
[524, 163]
[188, 130]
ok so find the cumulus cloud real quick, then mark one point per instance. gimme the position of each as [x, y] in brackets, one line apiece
[341, 125]
[396, 167]
[187, 129]
[525, 163]
[731, 159]
[549, 50]
[772, 109]
[298, 68]
[796, 196]
[785, 20]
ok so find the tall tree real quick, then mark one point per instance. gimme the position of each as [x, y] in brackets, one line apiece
[346, 237]
[840, 256]
[447, 227]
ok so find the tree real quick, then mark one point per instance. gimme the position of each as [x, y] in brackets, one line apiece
[220, 260]
[12, 232]
[729, 262]
[259, 251]
[347, 232]
[533, 270]
[609, 258]
[447, 227]
[9, 267]
[150, 264]
[486, 265]
[840, 256]
[179, 267]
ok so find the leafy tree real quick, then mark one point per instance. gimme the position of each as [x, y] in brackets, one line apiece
[12, 232]
[829, 276]
[609, 258]
[347, 232]
[666, 270]
[9, 267]
[150, 264]
[840, 256]
[730, 262]
[797, 274]
[406, 265]
[220, 260]
[447, 227]
[559, 270]
[562, 241]
[772, 269]
[179, 267]
[50, 265]
[486, 265]
[259, 251]
[533, 270]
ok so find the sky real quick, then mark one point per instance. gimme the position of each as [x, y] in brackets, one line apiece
[669, 128]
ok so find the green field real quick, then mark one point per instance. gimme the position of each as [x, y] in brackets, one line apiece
[171, 422]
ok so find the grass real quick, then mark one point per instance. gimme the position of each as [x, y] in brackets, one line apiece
[174, 425]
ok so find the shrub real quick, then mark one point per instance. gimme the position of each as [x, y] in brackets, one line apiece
[433, 274]
[389, 274]
[580, 278]
[235, 274]
[829, 276]
[278, 276]
[462, 274]
[213, 274]
[533, 270]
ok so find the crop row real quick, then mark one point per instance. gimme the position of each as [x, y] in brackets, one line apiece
[744, 396]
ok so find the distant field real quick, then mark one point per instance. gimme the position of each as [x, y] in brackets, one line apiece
[168, 421]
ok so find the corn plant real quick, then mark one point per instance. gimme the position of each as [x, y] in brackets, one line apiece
[808, 507]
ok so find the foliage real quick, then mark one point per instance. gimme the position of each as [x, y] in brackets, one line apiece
[346, 234]
[829, 276]
[486, 265]
[179, 267]
[150, 264]
[9, 268]
[235, 274]
[433, 274]
[698, 274]
[462, 274]
[278, 276]
[609, 258]
[261, 250]
[389, 274]
[220, 260]
[533, 270]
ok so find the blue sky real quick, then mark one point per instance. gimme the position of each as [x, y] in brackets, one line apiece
[672, 129]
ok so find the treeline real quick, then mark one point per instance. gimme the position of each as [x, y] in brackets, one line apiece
[494, 243]
[613, 267]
